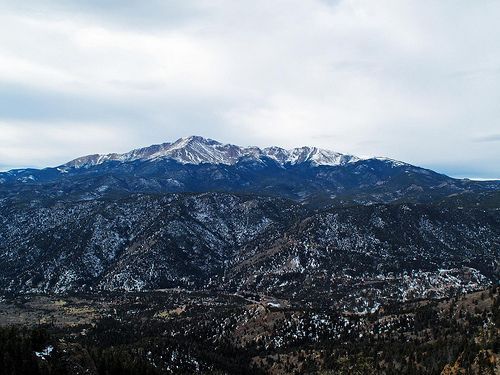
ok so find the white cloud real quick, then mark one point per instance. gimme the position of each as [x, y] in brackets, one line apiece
[26, 143]
[412, 80]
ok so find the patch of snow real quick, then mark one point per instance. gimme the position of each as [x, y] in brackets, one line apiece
[198, 150]
[45, 352]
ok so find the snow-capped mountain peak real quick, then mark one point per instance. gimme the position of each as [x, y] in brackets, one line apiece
[318, 156]
[199, 150]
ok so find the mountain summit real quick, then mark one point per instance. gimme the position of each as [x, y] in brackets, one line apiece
[195, 164]
[199, 150]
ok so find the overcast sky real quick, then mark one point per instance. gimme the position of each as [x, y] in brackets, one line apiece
[417, 81]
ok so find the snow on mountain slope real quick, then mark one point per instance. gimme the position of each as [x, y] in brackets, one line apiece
[198, 150]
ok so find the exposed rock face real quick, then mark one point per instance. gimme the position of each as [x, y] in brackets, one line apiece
[198, 150]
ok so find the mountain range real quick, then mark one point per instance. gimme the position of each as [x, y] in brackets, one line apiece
[199, 150]
[196, 164]
[306, 223]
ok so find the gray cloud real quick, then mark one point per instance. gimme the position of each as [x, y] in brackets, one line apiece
[407, 80]
[21, 102]
[151, 14]
[488, 138]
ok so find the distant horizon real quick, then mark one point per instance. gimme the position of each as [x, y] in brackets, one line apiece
[4, 168]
